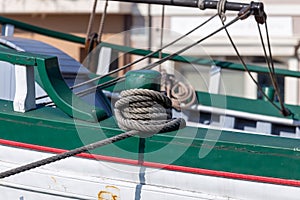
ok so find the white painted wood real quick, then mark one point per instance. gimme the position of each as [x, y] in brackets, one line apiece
[24, 99]
[8, 30]
[67, 64]
[39, 91]
[78, 178]
[263, 127]
[218, 128]
[169, 66]
[214, 80]
[250, 89]
[297, 132]
[256, 117]
[104, 61]
[7, 81]
[291, 86]
[227, 121]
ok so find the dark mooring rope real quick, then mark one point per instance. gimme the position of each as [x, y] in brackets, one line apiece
[143, 112]
[67, 154]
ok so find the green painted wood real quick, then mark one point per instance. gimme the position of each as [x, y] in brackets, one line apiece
[20, 58]
[146, 79]
[204, 62]
[49, 76]
[52, 81]
[229, 151]
[232, 103]
[42, 31]
[220, 101]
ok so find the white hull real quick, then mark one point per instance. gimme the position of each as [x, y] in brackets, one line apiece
[79, 178]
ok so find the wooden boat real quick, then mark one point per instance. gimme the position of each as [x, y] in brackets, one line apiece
[241, 149]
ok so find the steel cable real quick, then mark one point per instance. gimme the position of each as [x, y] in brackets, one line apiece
[101, 26]
[248, 71]
[270, 64]
[144, 57]
[170, 56]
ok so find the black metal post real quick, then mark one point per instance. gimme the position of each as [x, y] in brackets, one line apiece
[184, 3]
[256, 7]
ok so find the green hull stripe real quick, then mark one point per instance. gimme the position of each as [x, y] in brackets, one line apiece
[229, 151]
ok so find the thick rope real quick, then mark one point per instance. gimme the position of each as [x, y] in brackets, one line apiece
[147, 112]
[142, 112]
[67, 154]
[181, 94]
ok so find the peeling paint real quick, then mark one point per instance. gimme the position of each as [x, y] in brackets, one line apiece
[109, 193]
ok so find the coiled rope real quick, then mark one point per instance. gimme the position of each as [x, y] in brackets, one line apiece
[182, 94]
[147, 112]
[142, 112]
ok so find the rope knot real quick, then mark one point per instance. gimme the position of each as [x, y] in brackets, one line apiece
[146, 111]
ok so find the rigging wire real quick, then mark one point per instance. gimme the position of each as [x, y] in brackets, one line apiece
[149, 32]
[91, 38]
[247, 69]
[112, 82]
[101, 26]
[149, 66]
[270, 64]
[144, 57]
[91, 21]
[181, 94]
[162, 25]
[268, 61]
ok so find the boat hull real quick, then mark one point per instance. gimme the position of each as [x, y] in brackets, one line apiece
[91, 178]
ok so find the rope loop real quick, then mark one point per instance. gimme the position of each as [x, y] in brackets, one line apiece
[147, 112]
[181, 94]
[221, 9]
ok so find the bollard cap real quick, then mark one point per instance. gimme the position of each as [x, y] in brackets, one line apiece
[144, 79]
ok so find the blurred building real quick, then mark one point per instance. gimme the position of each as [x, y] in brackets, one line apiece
[72, 16]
